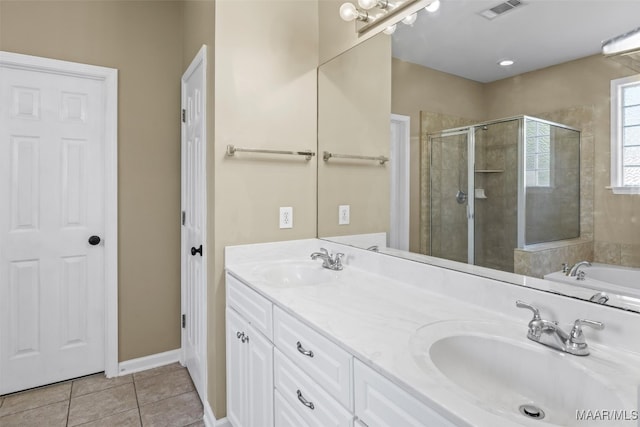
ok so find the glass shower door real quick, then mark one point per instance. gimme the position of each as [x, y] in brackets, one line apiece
[451, 196]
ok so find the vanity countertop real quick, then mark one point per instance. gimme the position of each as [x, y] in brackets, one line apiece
[375, 317]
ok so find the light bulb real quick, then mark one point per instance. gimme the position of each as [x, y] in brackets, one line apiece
[506, 62]
[390, 30]
[409, 20]
[348, 12]
[433, 6]
[367, 4]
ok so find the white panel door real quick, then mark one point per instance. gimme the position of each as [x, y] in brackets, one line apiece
[51, 203]
[194, 212]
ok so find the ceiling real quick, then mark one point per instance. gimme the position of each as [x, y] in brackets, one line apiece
[538, 34]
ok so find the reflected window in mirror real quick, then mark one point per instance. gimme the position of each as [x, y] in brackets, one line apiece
[538, 159]
[625, 135]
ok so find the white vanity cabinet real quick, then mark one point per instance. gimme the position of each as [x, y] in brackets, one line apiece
[249, 360]
[281, 372]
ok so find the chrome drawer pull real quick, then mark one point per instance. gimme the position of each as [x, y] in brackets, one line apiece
[305, 402]
[245, 338]
[240, 335]
[305, 352]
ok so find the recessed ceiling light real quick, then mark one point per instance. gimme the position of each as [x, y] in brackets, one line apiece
[506, 62]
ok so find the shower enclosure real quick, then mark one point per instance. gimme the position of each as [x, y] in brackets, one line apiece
[500, 185]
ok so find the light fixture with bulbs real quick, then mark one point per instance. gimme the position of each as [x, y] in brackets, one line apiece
[373, 16]
[349, 12]
[370, 4]
[409, 20]
[433, 6]
[390, 29]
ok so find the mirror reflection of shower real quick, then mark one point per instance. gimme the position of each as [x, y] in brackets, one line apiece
[516, 183]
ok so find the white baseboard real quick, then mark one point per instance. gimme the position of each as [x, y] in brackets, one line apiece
[148, 362]
[210, 419]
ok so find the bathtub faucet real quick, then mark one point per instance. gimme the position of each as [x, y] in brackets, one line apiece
[574, 270]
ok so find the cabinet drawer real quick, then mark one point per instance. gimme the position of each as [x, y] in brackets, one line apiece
[307, 398]
[325, 362]
[381, 403]
[256, 309]
[286, 416]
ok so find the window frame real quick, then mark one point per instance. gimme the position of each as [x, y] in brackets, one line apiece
[617, 132]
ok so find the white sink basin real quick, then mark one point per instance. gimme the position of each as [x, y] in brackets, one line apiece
[284, 274]
[497, 369]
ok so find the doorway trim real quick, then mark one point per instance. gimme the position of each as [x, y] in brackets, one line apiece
[400, 182]
[200, 59]
[109, 77]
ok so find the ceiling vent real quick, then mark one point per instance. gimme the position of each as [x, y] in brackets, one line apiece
[501, 9]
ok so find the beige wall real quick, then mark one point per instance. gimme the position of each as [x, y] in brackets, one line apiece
[265, 78]
[353, 118]
[440, 94]
[143, 40]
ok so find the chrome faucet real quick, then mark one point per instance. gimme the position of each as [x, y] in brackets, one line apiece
[550, 334]
[574, 269]
[328, 261]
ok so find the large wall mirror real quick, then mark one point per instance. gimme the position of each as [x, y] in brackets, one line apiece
[435, 147]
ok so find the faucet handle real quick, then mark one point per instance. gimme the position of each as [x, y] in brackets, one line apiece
[536, 312]
[324, 251]
[576, 340]
[565, 268]
[578, 324]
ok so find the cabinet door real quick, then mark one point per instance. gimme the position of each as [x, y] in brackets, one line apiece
[236, 371]
[381, 403]
[259, 379]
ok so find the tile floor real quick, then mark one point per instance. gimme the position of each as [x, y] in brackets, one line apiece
[163, 396]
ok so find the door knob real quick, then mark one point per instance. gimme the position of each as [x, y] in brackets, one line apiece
[94, 240]
[195, 251]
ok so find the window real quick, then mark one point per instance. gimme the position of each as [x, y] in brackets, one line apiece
[625, 135]
[538, 155]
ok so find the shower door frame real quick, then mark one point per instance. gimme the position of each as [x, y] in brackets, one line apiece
[470, 133]
[521, 184]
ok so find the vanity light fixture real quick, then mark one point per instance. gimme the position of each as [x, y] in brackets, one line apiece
[409, 20]
[506, 62]
[370, 4]
[433, 6]
[372, 16]
[349, 12]
[390, 29]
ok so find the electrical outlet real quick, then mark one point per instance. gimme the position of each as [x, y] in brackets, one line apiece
[286, 217]
[343, 215]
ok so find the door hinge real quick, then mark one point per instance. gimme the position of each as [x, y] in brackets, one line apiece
[184, 321]
[184, 116]
[183, 218]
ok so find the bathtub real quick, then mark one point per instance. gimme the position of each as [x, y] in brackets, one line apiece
[603, 277]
